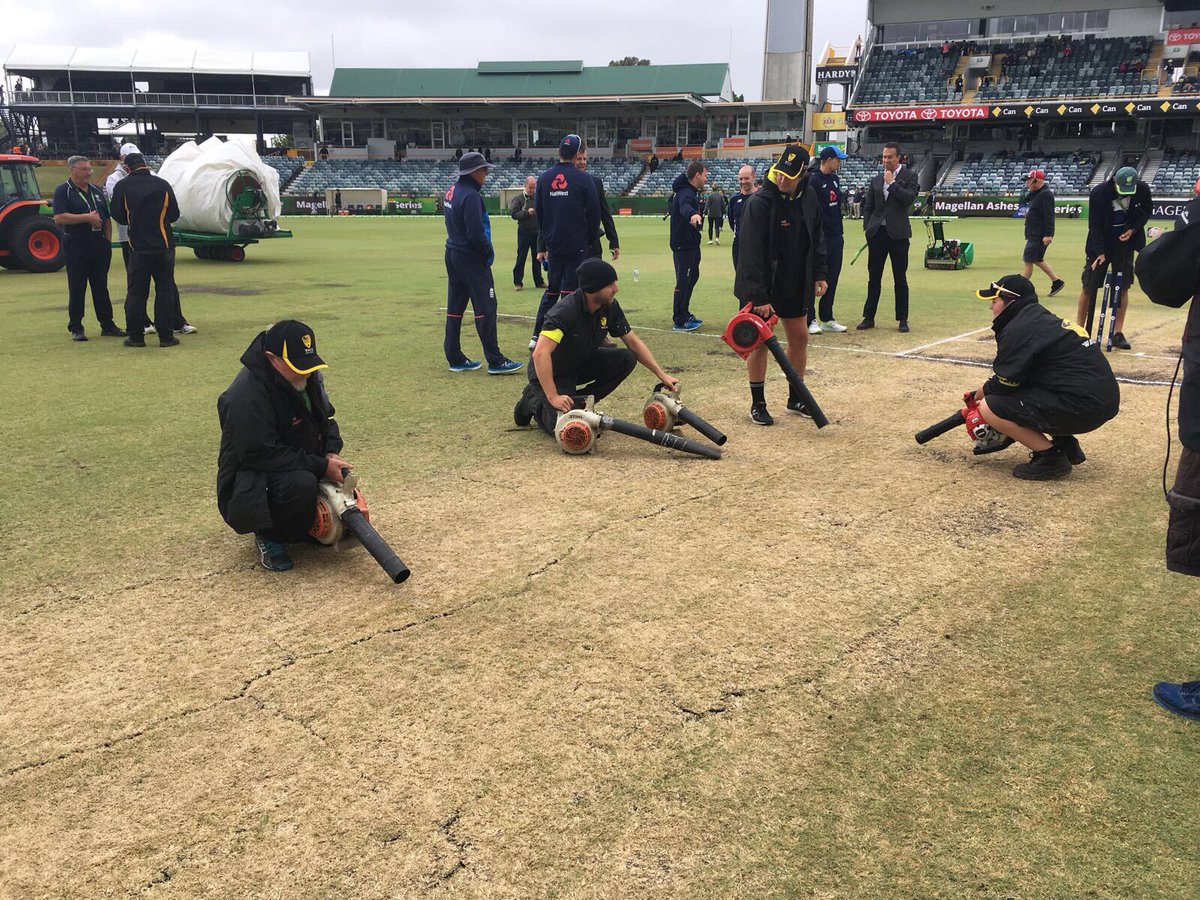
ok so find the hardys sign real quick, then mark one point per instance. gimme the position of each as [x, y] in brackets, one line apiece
[921, 114]
[836, 74]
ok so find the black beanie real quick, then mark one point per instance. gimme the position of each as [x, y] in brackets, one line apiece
[595, 274]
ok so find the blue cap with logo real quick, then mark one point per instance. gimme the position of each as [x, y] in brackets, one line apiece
[569, 146]
[832, 152]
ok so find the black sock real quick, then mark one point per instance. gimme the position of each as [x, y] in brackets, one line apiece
[756, 392]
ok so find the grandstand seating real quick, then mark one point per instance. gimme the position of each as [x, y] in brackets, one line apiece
[1006, 174]
[1091, 69]
[1177, 174]
[287, 167]
[909, 75]
[428, 177]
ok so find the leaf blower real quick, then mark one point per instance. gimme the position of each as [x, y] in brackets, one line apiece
[746, 332]
[986, 438]
[578, 429]
[342, 508]
[663, 412]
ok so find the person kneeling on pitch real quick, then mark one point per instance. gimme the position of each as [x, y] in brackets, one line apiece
[573, 356]
[278, 439]
[1050, 379]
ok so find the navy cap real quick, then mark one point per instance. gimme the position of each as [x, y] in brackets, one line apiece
[832, 152]
[569, 146]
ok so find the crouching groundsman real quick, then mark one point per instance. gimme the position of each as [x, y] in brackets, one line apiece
[1050, 383]
[278, 439]
[573, 355]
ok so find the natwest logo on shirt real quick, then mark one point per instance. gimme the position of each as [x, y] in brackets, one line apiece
[560, 182]
[921, 114]
[450, 194]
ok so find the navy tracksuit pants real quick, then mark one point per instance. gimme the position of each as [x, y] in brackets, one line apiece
[469, 280]
[834, 247]
[562, 278]
[687, 273]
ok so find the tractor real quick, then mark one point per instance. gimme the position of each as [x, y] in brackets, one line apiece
[28, 239]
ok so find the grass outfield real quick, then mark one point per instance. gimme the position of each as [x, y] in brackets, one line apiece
[831, 664]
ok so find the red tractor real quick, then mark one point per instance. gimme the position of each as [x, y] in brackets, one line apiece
[28, 239]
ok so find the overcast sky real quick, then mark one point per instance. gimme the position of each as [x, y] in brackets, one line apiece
[387, 33]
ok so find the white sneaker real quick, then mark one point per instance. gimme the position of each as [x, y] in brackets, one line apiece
[814, 327]
[834, 326]
[188, 328]
[149, 329]
[532, 343]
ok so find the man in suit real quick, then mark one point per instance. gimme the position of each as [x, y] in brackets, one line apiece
[885, 223]
[608, 228]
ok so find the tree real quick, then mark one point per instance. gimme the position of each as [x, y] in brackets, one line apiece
[283, 142]
[629, 61]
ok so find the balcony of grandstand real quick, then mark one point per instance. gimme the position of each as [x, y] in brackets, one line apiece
[429, 177]
[907, 75]
[1066, 174]
[1065, 67]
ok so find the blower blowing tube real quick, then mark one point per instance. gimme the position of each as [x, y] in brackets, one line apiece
[662, 438]
[705, 428]
[947, 424]
[796, 382]
[358, 525]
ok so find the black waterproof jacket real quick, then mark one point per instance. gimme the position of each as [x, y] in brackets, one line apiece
[1102, 234]
[1039, 216]
[1036, 348]
[781, 246]
[266, 427]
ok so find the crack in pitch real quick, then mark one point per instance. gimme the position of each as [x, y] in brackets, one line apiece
[449, 832]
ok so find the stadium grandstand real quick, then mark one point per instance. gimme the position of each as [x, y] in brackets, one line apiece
[64, 100]
[1077, 91]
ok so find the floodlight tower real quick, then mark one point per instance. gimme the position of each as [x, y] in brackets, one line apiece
[787, 53]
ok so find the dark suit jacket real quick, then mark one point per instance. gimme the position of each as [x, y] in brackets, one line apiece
[608, 228]
[891, 214]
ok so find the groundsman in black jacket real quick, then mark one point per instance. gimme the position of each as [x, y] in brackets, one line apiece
[278, 439]
[1051, 381]
[781, 265]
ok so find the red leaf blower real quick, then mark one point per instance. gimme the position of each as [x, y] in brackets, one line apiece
[747, 331]
[342, 508]
[663, 412]
[986, 438]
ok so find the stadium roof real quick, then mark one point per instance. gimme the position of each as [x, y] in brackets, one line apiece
[513, 80]
[41, 58]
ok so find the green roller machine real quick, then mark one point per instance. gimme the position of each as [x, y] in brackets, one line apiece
[249, 223]
[943, 252]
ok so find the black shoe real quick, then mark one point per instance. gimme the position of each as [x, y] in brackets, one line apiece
[168, 342]
[1069, 445]
[759, 414]
[273, 555]
[78, 335]
[525, 408]
[798, 408]
[1044, 465]
[1119, 341]
[112, 331]
[133, 342]
[865, 324]
[904, 326]
[1056, 285]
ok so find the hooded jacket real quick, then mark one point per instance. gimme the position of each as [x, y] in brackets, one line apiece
[1036, 348]
[1102, 232]
[266, 426]
[781, 245]
[684, 204]
[468, 226]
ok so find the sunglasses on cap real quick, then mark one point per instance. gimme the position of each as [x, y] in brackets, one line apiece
[993, 292]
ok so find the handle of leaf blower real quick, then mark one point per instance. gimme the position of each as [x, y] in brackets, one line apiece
[705, 428]
[796, 382]
[357, 524]
[947, 424]
[662, 438]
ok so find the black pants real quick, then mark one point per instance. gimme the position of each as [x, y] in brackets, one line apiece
[600, 376]
[292, 499]
[687, 273]
[527, 246]
[88, 258]
[735, 252]
[469, 280]
[561, 278]
[1183, 531]
[715, 222]
[834, 247]
[177, 319]
[879, 249]
[142, 268]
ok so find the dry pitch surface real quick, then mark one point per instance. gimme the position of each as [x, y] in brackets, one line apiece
[832, 664]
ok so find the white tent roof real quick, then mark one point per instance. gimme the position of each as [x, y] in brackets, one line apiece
[31, 57]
